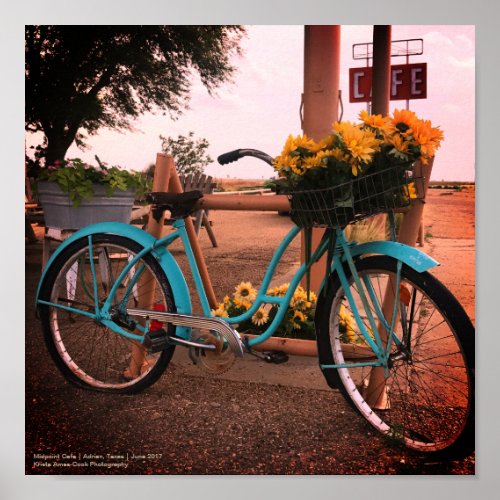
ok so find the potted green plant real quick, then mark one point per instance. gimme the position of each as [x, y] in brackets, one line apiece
[74, 194]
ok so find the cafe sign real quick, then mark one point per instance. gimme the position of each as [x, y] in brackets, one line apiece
[408, 81]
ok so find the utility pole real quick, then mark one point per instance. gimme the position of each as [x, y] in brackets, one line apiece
[320, 102]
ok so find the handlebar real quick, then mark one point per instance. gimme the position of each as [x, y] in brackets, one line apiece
[236, 154]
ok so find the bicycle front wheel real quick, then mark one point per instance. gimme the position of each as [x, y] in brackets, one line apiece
[424, 397]
[88, 353]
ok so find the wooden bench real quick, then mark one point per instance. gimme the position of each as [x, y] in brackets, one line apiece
[205, 184]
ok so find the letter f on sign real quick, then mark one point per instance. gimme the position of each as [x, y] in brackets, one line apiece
[395, 81]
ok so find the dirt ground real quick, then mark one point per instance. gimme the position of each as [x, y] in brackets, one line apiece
[255, 419]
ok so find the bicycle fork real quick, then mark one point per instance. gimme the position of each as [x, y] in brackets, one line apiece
[379, 335]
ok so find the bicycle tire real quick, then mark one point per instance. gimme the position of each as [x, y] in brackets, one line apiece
[87, 353]
[427, 400]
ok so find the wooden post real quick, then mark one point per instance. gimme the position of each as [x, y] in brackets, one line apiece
[320, 100]
[163, 172]
[376, 393]
[161, 178]
[408, 232]
[275, 203]
[175, 186]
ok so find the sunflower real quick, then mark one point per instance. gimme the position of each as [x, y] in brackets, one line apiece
[339, 155]
[298, 317]
[245, 292]
[260, 317]
[347, 325]
[279, 291]
[316, 161]
[299, 299]
[299, 169]
[293, 143]
[220, 312]
[382, 123]
[360, 143]
[400, 146]
[410, 191]
[242, 304]
[304, 142]
[427, 137]
[325, 143]
[404, 120]
[285, 163]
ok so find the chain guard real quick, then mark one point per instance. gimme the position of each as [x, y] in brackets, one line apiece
[212, 362]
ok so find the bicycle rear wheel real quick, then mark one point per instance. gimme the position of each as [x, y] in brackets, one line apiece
[425, 398]
[88, 353]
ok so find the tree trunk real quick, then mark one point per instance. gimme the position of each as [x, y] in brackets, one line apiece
[57, 147]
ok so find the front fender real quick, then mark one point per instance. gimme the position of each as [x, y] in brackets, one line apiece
[166, 260]
[410, 256]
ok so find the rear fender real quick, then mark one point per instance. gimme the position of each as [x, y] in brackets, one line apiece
[167, 262]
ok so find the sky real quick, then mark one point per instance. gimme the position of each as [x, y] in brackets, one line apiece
[260, 108]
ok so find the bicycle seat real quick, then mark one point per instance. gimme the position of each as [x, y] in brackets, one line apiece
[180, 205]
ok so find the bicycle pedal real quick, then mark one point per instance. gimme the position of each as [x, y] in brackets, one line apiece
[276, 357]
[157, 340]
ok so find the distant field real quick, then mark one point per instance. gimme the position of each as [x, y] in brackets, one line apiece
[241, 184]
[451, 184]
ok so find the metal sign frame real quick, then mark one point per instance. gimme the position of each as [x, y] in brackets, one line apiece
[399, 48]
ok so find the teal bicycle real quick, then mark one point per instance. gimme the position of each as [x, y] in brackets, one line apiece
[114, 304]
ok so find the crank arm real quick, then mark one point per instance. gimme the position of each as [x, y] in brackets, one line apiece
[215, 324]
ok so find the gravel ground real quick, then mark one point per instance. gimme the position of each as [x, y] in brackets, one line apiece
[257, 419]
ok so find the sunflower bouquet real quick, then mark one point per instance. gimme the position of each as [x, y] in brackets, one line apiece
[357, 170]
[297, 323]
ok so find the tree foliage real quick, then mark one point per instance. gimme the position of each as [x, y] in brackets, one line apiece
[82, 78]
[190, 154]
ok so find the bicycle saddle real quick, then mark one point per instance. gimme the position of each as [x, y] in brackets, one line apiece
[179, 204]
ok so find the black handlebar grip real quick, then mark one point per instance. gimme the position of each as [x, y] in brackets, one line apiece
[229, 157]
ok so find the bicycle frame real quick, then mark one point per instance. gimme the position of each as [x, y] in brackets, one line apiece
[345, 254]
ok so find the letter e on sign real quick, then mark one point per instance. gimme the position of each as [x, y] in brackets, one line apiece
[416, 82]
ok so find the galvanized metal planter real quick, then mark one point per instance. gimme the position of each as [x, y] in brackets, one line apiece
[60, 213]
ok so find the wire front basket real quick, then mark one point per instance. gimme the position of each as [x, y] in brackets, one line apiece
[367, 195]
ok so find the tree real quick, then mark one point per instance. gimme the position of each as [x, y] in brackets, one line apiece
[190, 154]
[82, 78]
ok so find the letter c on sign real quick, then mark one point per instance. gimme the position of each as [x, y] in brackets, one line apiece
[357, 77]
